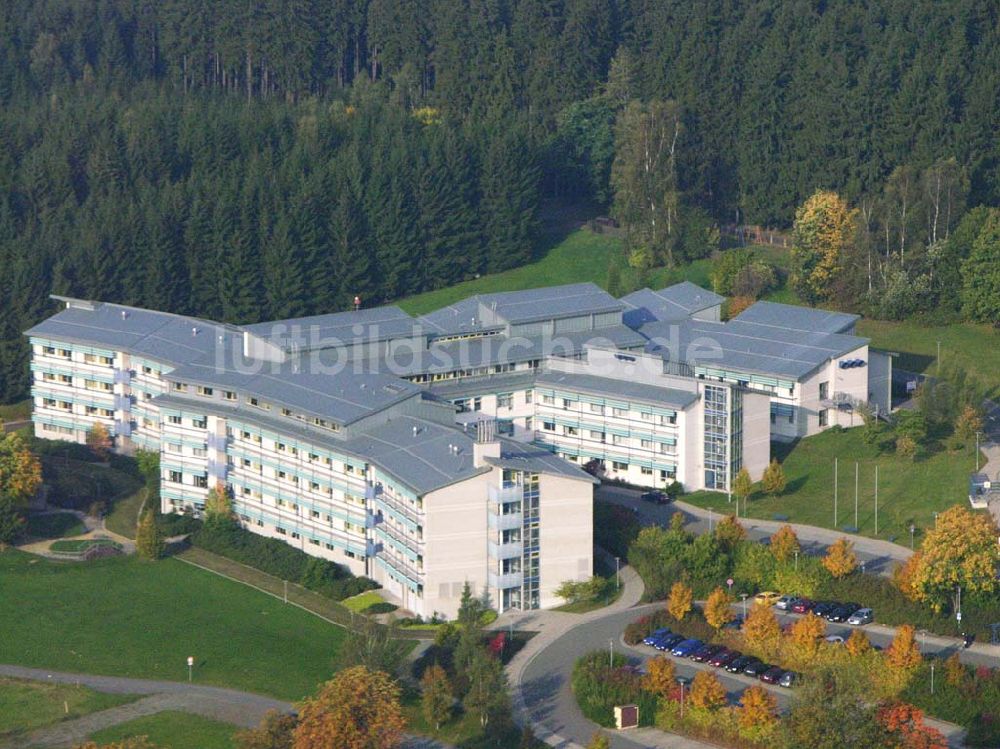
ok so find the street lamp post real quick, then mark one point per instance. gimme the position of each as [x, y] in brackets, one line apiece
[709, 519]
[796, 560]
[618, 574]
[682, 699]
[744, 597]
[958, 607]
[977, 452]
[932, 677]
[611, 653]
[913, 529]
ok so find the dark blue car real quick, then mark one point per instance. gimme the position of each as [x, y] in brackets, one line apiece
[656, 635]
[686, 648]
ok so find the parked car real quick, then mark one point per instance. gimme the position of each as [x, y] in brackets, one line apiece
[735, 623]
[655, 635]
[788, 679]
[824, 607]
[772, 675]
[767, 597]
[861, 616]
[737, 665]
[835, 639]
[686, 648]
[803, 606]
[843, 613]
[669, 642]
[705, 652]
[656, 497]
[723, 657]
[756, 667]
[785, 603]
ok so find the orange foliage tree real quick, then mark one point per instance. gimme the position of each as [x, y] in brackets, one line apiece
[784, 543]
[680, 601]
[760, 709]
[905, 725]
[904, 652]
[99, 441]
[275, 731]
[840, 559]
[903, 574]
[858, 643]
[20, 470]
[356, 709]
[729, 532]
[761, 630]
[707, 691]
[660, 675]
[806, 634]
[719, 608]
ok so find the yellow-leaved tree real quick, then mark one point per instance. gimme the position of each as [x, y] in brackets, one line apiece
[680, 601]
[357, 709]
[784, 543]
[774, 480]
[761, 631]
[840, 559]
[805, 635]
[958, 553]
[719, 608]
[904, 652]
[760, 709]
[707, 691]
[729, 532]
[858, 643]
[822, 234]
[20, 477]
[659, 677]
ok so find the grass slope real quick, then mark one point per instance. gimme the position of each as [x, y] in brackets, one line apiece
[173, 730]
[908, 490]
[27, 705]
[125, 513]
[54, 525]
[132, 618]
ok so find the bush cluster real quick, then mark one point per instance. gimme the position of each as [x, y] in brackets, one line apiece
[599, 685]
[281, 560]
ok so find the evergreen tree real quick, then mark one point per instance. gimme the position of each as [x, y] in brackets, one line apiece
[149, 542]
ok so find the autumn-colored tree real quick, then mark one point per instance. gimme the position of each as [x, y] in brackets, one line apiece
[742, 487]
[774, 480]
[954, 671]
[729, 533]
[149, 542]
[904, 574]
[599, 741]
[356, 709]
[20, 469]
[435, 696]
[823, 232]
[680, 601]
[906, 446]
[858, 643]
[136, 742]
[760, 708]
[276, 731]
[99, 441]
[677, 521]
[958, 552]
[218, 505]
[968, 422]
[738, 304]
[784, 543]
[904, 652]
[806, 634]
[707, 691]
[659, 676]
[905, 727]
[719, 608]
[840, 559]
[761, 630]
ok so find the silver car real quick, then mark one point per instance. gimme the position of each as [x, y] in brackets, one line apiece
[785, 603]
[861, 616]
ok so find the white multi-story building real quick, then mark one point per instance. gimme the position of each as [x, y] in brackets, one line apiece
[430, 452]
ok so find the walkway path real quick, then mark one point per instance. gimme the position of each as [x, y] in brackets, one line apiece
[242, 709]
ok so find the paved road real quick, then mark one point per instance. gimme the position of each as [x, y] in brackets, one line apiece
[228, 705]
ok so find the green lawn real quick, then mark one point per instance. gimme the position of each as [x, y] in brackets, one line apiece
[908, 491]
[54, 525]
[81, 544]
[16, 411]
[173, 730]
[127, 617]
[27, 705]
[362, 601]
[124, 513]
[976, 348]
[582, 607]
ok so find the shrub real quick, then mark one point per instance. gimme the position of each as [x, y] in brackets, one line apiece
[615, 528]
[382, 607]
[281, 560]
[599, 685]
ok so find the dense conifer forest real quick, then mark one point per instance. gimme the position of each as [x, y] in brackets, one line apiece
[251, 160]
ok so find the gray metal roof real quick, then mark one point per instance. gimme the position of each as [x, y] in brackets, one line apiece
[456, 319]
[793, 317]
[487, 384]
[164, 337]
[672, 303]
[311, 384]
[748, 347]
[611, 387]
[519, 456]
[375, 324]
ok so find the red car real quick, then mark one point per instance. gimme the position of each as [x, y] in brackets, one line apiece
[723, 658]
[772, 675]
[803, 605]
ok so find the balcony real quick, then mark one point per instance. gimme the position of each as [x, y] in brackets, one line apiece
[508, 522]
[217, 469]
[123, 376]
[123, 402]
[505, 580]
[217, 442]
[512, 550]
[508, 493]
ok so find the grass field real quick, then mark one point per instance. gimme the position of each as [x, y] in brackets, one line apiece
[908, 491]
[16, 411]
[127, 617]
[54, 525]
[124, 513]
[360, 602]
[975, 348]
[27, 705]
[173, 730]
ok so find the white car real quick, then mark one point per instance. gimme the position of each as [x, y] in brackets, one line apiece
[861, 616]
[835, 640]
[785, 603]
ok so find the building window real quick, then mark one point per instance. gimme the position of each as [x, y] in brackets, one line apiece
[173, 419]
[646, 471]
[668, 420]
[620, 412]
[619, 466]
[599, 436]
[280, 531]
[567, 404]
[824, 390]
[549, 426]
[505, 400]
[548, 400]
[206, 391]
[199, 422]
[180, 387]
[596, 409]
[229, 395]
[645, 416]
[527, 396]
[571, 431]
[824, 417]
[646, 444]
[201, 482]
[617, 439]
[176, 477]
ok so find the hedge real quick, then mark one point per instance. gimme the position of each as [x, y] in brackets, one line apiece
[599, 687]
[281, 560]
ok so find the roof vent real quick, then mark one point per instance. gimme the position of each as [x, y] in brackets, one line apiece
[416, 431]
[124, 313]
[194, 331]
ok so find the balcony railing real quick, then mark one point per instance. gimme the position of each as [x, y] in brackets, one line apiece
[508, 493]
[508, 522]
[123, 376]
[504, 580]
[511, 550]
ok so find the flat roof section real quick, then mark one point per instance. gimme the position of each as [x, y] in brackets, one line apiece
[614, 388]
[676, 302]
[322, 331]
[793, 317]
